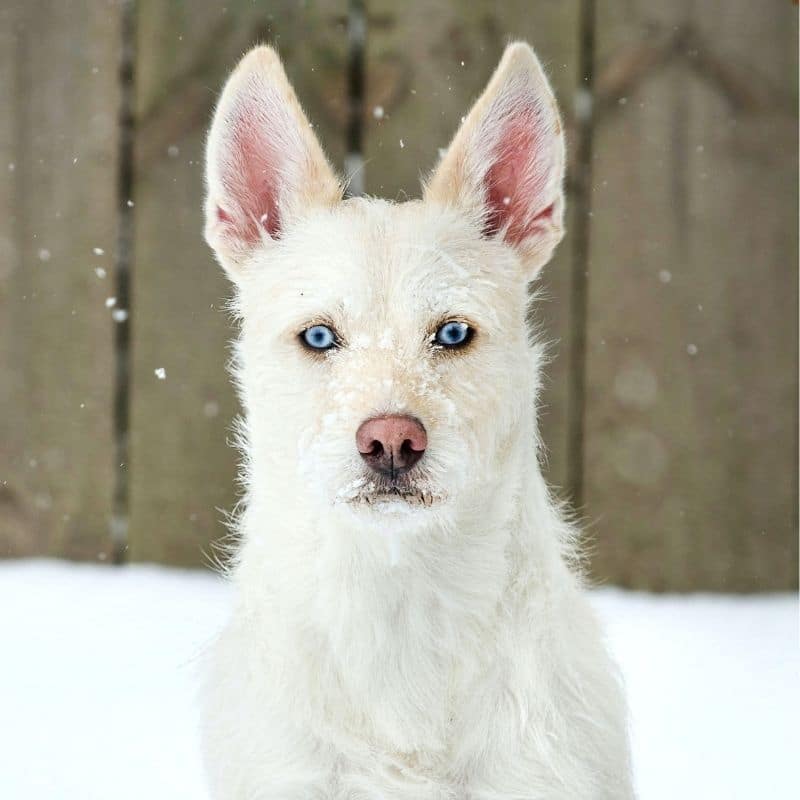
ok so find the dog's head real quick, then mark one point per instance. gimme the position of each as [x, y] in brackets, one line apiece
[384, 360]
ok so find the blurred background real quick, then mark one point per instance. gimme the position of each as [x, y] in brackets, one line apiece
[670, 410]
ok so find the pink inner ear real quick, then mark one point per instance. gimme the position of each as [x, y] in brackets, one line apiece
[250, 177]
[516, 180]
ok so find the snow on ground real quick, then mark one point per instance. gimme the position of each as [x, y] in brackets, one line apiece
[98, 676]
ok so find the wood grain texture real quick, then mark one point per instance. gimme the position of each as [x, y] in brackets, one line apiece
[690, 455]
[424, 70]
[691, 423]
[182, 467]
[58, 92]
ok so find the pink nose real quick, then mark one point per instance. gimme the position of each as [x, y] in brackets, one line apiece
[391, 445]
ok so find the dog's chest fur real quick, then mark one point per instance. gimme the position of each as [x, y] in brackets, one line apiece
[388, 653]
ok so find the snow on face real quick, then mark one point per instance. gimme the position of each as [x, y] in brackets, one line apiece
[384, 277]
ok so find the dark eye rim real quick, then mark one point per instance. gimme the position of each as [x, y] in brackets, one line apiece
[334, 345]
[456, 345]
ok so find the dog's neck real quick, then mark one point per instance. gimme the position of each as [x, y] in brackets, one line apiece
[329, 600]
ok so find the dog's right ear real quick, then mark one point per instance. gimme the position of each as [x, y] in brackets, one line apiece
[505, 166]
[264, 166]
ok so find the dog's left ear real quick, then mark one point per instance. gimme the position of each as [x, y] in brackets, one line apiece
[264, 166]
[505, 165]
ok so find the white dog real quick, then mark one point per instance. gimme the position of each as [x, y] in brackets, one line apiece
[409, 621]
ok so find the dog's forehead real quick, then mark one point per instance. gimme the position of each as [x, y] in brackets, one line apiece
[372, 266]
[373, 255]
[391, 243]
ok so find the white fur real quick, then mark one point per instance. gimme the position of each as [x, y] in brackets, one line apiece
[426, 649]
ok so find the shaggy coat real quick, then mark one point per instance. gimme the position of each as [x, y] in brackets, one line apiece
[424, 637]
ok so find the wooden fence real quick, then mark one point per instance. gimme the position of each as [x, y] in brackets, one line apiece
[671, 406]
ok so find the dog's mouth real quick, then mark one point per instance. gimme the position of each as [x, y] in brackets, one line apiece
[385, 492]
[396, 496]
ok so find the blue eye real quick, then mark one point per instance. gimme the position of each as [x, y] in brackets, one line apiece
[453, 334]
[319, 337]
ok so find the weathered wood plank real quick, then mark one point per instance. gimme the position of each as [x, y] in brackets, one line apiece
[424, 69]
[182, 469]
[692, 345]
[59, 94]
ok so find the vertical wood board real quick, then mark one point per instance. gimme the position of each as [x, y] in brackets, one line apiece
[59, 92]
[692, 336]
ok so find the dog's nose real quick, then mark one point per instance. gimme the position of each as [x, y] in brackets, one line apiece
[391, 445]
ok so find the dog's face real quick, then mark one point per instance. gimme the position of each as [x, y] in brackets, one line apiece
[384, 357]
